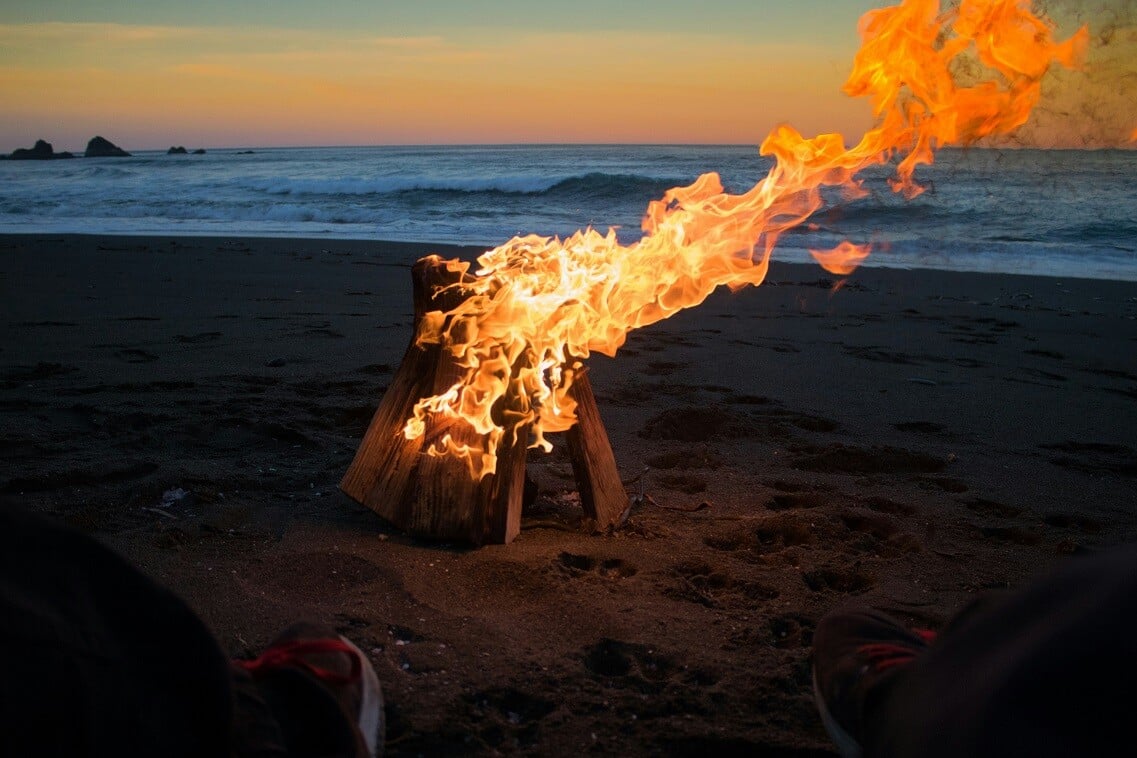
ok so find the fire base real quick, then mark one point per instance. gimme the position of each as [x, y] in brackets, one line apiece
[436, 497]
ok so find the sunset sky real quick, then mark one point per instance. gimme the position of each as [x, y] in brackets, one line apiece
[287, 72]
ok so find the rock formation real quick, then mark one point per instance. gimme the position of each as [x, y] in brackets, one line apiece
[43, 151]
[103, 148]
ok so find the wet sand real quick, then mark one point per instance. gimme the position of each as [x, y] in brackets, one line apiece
[907, 441]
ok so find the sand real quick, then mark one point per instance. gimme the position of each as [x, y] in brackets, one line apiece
[906, 441]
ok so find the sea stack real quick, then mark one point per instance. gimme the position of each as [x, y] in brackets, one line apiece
[43, 151]
[104, 148]
[179, 150]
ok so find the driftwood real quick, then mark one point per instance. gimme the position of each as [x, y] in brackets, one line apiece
[435, 496]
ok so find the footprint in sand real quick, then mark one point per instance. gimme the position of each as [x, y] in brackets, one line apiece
[770, 538]
[846, 580]
[577, 566]
[792, 631]
[629, 665]
[695, 424]
[507, 715]
[700, 583]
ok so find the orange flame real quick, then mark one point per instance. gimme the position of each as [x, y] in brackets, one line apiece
[843, 259]
[539, 305]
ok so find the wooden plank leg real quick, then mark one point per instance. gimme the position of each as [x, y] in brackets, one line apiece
[602, 493]
[426, 495]
[383, 470]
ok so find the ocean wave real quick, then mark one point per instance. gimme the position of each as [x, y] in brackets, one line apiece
[100, 171]
[1111, 231]
[977, 211]
[876, 214]
[613, 186]
[594, 184]
[392, 185]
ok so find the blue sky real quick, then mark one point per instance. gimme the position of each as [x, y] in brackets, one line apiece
[806, 19]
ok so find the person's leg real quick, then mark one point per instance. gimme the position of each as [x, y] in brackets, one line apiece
[97, 659]
[1050, 669]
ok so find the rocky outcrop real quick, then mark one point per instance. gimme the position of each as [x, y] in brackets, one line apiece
[179, 150]
[103, 148]
[43, 151]
[199, 151]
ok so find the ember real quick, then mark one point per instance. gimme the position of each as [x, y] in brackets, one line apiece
[538, 306]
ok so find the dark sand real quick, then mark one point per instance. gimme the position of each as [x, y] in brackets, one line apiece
[908, 441]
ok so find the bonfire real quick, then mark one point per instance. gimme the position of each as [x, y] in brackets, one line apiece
[496, 363]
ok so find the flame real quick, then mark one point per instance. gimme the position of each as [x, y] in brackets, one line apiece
[843, 259]
[540, 305]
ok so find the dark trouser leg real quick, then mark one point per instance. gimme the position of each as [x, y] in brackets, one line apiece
[1049, 670]
[97, 659]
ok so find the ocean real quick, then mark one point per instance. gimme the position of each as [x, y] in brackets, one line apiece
[1047, 212]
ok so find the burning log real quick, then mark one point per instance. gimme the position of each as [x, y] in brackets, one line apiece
[437, 496]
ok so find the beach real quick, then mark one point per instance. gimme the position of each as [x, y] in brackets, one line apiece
[905, 439]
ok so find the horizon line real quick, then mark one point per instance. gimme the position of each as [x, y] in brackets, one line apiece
[78, 153]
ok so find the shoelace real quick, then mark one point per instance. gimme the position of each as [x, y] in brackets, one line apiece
[885, 655]
[292, 654]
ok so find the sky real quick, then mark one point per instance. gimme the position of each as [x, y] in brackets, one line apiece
[265, 73]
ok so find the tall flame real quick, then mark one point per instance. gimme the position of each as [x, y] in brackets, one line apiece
[539, 305]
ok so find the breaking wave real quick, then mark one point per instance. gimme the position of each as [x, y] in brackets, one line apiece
[594, 184]
[1013, 211]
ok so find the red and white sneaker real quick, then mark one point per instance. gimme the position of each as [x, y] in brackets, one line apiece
[855, 656]
[307, 653]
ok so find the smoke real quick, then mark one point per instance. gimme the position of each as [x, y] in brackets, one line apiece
[1093, 107]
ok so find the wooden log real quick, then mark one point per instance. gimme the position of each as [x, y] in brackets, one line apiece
[382, 473]
[602, 493]
[447, 502]
[433, 496]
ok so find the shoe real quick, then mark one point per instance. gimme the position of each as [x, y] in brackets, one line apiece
[855, 656]
[303, 655]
